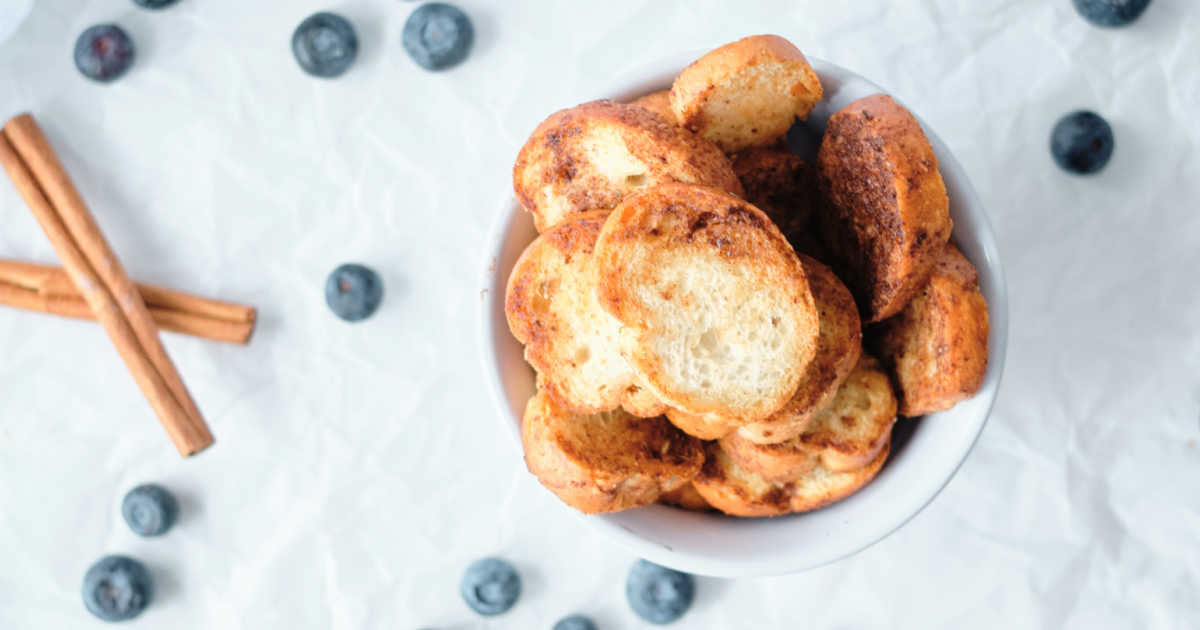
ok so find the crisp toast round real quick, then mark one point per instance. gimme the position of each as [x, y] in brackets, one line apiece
[888, 215]
[845, 435]
[719, 320]
[937, 346]
[605, 462]
[740, 492]
[590, 156]
[839, 344]
[746, 93]
[573, 344]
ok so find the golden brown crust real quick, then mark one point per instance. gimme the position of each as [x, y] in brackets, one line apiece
[696, 274]
[780, 184]
[936, 347]
[888, 215]
[849, 432]
[835, 486]
[739, 492]
[590, 156]
[605, 462]
[658, 102]
[746, 93]
[569, 340]
[687, 498]
[844, 435]
[773, 462]
[839, 343]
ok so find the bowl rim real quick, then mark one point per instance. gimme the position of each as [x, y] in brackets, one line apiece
[656, 75]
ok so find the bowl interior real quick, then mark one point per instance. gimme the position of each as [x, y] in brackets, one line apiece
[926, 452]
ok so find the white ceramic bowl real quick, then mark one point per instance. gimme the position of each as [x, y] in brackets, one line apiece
[925, 452]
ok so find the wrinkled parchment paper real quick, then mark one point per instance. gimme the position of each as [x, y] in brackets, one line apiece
[359, 468]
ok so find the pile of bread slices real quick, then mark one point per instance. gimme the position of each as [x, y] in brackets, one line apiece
[695, 303]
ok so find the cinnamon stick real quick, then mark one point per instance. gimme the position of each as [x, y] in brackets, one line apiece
[172, 310]
[41, 180]
[76, 307]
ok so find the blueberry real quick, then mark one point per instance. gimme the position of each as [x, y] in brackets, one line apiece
[574, 622]
[438, 36]
[1081, 142]
[325, 44]
[154, 4]
[353, 292]
[103, 52]
[490, 586]
[117, 588]
[1111, 12]
[149, 509]
[658, 594]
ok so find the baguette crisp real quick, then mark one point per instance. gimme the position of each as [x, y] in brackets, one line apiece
[605, 462]
[888, 215]
[746, 93]
[590, 156]
[937, 346]
[572, 343]
[739, 492]
[845, 435]
[719, 319]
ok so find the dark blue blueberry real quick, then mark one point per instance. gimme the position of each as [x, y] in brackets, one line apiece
[1082, 142]
[117, 588]
[103, 52]
[149, 509]
[438, 36]
[574, 622]
[353, 292]
[325, 44]
[1111, 12]
[490, 586]
[154, 4]
[658, 594]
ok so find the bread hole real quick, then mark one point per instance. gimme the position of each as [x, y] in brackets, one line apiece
[637, 180]
[544, 293]
[582, 355]
[775, 321]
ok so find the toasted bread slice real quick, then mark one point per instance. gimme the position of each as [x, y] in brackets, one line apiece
[780, 184]
[658, 102]
[605, 462]
[686, 497]
[552, 308]
[888, 213]
[839, 343]
[739, 492]
[845, 435]
[772, 462]
[937, 346]
[589, 157]
[720, 322]
[851, 431]
[746, 93]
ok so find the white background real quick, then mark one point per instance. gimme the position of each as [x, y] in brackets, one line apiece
[360, 468]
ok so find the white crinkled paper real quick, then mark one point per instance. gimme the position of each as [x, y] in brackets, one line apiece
[359, 468]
